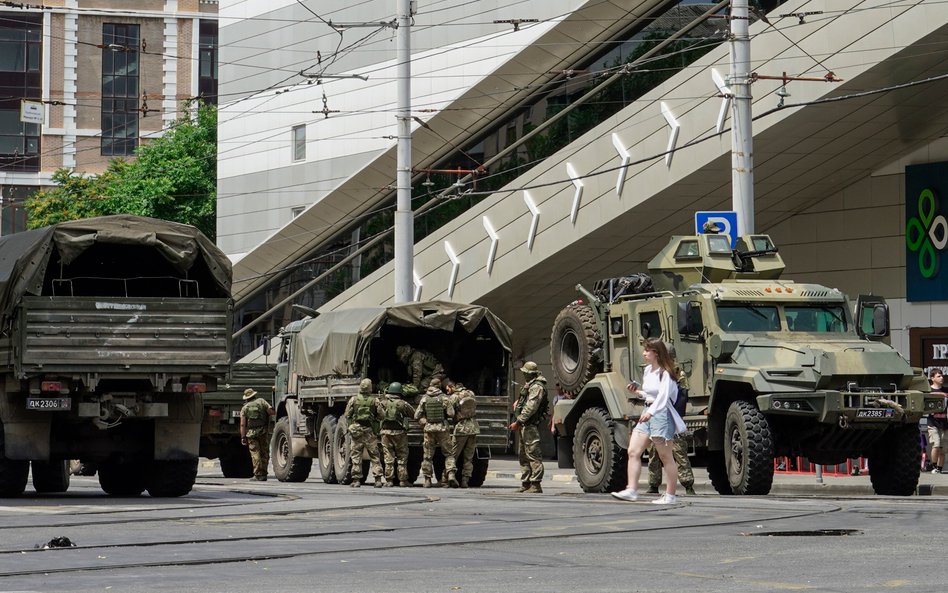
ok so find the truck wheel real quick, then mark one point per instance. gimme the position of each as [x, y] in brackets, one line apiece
[600, 462]
[717, 473]
[13, 477]
[50, 476]
[327, 428]
[342, 464]
[748, 449]
[122, 479]
[574, 347]
[895, 462]
[479, 473]
[236, 462]
[171, 477]
[286, 466]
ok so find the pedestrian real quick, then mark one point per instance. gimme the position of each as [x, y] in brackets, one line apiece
[938, 423]
[362, 420]
[434, 413]
[529, 413]
[659, 423]
[421, 365]
[255, 431]
[466, 429]
[559, 395]
[685, 474]
[395, 413]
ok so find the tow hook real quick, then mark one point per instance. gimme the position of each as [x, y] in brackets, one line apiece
[843, 422]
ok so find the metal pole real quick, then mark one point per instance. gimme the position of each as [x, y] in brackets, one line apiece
[742, 134]
[404, 218]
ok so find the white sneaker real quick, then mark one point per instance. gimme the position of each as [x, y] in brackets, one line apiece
[627, 494]
[666, 499]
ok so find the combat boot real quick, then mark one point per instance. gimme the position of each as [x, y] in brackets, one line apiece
[378, 481]
[652, 489]
[524, 487]
[452, 481]
[690, 490]
[388, 484]
[356, 483]
[534, 488]
[464, 482]
[427, 483]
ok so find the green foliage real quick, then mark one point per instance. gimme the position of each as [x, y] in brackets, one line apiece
[173, 177]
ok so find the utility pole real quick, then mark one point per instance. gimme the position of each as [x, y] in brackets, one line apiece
[404, 217]
[742, 133]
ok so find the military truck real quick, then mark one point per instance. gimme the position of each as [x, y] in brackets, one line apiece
[220, 428]
[112, 329]
[773, 368]
[322, 360]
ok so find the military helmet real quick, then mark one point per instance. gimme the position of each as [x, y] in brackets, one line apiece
[365, 385]
[395, 388]
[530, 367]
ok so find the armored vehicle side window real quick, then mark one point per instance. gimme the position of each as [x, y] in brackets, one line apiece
[719, 244]
[687, 249]
[748, 318]
[650, 324]
[819, 319]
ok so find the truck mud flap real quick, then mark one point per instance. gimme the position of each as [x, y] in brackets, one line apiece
[177, 440]
[26, 440]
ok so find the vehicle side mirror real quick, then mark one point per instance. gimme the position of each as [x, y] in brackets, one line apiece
[689, 319]
[880, 320]
[266, 346]
[872, 317]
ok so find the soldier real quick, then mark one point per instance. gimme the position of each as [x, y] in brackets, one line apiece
[255, 431]
[434, 413]
[685, 475]
[466, 429]
[395, 413]
[362, 418]
[422, 366]
[530, 411]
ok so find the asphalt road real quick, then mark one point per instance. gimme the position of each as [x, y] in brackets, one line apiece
[240, 536]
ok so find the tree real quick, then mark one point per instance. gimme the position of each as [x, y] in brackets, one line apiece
[173, 177]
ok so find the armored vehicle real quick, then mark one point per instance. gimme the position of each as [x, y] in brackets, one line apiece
[112, 329]
[773, 368]
[322, 360]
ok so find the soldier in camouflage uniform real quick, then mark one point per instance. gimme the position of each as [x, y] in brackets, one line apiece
[362, 420]
[255, 431]
[530, 411]
[466, 429]
[685, 475]
[422, 366]
[395, 412]
[434, 413]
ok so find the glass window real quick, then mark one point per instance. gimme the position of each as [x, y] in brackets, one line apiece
[207, 61]
[120, 89]
[299, 143]
[816, 318]
[748, 318]
[20, 78]
[687, 248]
[719, 244]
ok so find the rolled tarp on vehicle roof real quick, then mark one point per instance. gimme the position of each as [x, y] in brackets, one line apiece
[25, 256]
[334, 342]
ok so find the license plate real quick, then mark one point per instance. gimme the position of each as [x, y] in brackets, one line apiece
[874, 413]
[48, 403]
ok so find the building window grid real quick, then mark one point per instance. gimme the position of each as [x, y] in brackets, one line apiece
[299, 142]
[207, 61]
[21, 50]
[120, 83]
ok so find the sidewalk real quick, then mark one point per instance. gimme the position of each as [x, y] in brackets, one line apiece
[508, 468]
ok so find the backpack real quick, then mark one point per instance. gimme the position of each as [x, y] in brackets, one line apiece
[363, 413]
[392, 416]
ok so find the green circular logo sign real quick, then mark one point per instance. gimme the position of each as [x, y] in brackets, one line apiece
[927, 234]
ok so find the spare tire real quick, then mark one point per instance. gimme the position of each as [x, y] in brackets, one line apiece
[575, 347]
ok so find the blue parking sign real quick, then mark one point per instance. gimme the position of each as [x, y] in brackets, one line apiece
[726, 220]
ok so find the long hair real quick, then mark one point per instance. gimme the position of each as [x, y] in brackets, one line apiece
[665, 361]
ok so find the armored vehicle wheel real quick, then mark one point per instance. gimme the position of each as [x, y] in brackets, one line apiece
[717, 473]
[286, 466]
[479, 473]
[50, 476]
[600, 462]
[236, 462]
[574, 347]
[748, 449]
[327, 428]
[895, 461]
[171, 477]
[122, 479]
[342, 464]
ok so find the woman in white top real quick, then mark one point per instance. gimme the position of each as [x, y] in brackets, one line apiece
[660, 422]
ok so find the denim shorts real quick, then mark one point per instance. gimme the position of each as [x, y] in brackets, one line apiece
[659, 426]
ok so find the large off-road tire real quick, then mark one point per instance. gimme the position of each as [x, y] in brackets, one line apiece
[717, 473]
[748, 449]
[169, 478]
[236, 461]
[286, 466]
[13, 477]
[601, 464]
[574, 347]
[324, 440]
[342, 463]
[50, 476]
[122, 479]
[895, 461]
[479, 472]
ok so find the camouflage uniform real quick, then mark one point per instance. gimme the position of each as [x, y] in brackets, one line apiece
[422, 366]
[437, 432]
[680, 451]
[256, 413]
[529, 412]
[465, 431]
[362, 433]
[395, 435]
